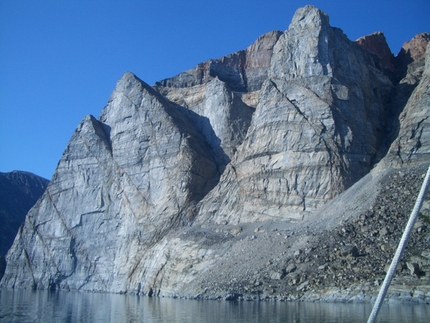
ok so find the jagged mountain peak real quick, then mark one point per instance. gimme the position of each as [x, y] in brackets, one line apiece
[377, 44]
[133, 88]
[416, 47]
[309, 15]
[322, 90]
[242, 71]
[306, 47]
[265, 41]
[129, 82]
[154, 196]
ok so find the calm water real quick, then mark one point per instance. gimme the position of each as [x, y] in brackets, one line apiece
[43, 306]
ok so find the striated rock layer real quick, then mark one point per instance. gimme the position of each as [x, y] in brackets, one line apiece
[249, 176]
[123, 181]
[315, 131]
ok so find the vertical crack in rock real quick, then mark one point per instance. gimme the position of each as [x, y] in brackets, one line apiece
[416, 134]
[320, 131]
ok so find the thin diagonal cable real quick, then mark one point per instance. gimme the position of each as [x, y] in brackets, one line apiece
[402, 245]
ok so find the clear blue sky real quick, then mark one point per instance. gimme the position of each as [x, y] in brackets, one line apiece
[60, 60]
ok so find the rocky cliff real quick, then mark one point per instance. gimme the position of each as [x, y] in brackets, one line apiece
[260, 174]
[19, 191]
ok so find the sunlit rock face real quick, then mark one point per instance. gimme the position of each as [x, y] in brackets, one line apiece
[316, 128]
[123, 182]
[224, 92]
[167, 192]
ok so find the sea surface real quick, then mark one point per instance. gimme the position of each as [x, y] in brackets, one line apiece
[46, 306]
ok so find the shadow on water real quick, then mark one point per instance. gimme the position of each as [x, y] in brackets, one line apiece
[46, 306]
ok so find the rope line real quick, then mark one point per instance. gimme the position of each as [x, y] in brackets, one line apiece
[401, 247]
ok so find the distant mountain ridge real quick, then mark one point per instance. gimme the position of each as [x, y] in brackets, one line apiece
[261, 174]
[19, 191]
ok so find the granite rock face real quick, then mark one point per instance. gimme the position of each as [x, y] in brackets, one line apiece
[306, 142]
[226, 179]
[123, 181]
[224, 92]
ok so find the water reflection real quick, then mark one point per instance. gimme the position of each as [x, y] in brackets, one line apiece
[45, 306]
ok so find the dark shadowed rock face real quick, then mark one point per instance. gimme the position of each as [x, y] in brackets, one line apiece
[237, 177]
[412, 143]
[414, 50]
[18, 193]
[411, 56]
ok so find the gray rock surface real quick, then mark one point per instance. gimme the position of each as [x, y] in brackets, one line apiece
[122, 183]
[220, 94]
[315, 131]
[278, 172]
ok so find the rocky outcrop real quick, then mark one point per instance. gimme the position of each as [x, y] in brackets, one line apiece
[18, 191]
[411, 56]
[377, 44]
[243, 71]
[412, 143]
[123, 181]
[306, 142]
[222, 117]
[223, 91]
[250, 176]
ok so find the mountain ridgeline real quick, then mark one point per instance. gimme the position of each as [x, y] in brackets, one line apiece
[286, 170]
[19, 191]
